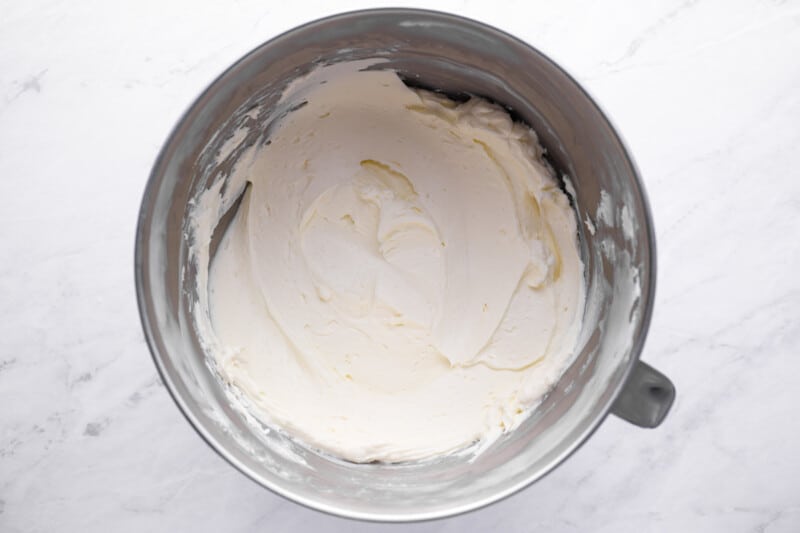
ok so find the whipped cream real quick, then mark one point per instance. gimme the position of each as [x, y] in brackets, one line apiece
[402, 278]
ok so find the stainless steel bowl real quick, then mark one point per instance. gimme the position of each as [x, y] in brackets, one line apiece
[458, 56]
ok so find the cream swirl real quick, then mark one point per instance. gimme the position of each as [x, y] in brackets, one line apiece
[403, 276]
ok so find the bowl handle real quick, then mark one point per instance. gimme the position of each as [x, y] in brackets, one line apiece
[646, 398]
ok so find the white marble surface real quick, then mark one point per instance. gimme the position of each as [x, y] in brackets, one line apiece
[706, 92]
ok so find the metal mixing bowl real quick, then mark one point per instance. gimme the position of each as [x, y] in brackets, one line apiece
[457, 56]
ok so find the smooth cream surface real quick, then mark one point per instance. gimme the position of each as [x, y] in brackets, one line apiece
[402, 278]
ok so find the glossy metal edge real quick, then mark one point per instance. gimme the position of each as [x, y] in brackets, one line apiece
[143, 299]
